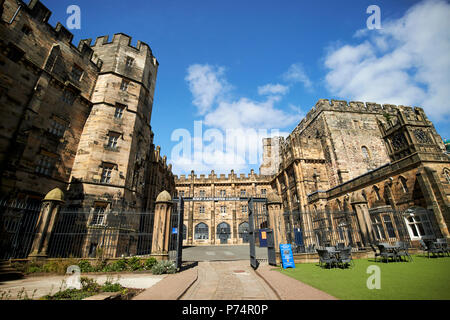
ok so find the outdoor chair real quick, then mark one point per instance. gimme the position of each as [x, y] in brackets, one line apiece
[430, 247]
[444, 245]
[326, 258]
[402, 250]
[377, 253]
[345, 257]
[385, 254]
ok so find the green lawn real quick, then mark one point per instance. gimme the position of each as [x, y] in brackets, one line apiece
[421, 279]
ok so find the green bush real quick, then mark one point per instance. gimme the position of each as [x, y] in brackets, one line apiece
[111, 287]
[164, 266]
[119, 265]
[85, 266]
[134, 264]
[89, 285]
[149, 263]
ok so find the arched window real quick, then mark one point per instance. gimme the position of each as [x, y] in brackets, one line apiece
[402, 181]
[376, 190]
[447, 175]
[243, 232]
[365, 153]
[201, 231]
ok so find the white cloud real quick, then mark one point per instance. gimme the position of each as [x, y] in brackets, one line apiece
[296, 73]
[406, 62]
[273, 89]
[241, 123]
[206, 84]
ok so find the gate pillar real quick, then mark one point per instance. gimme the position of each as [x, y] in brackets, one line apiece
[362, 213]
[161, 225]
[45, 223]
[276, 219]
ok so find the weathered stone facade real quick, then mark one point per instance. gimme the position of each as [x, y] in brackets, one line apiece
[338, 152]
[76, 118]
[222, 220]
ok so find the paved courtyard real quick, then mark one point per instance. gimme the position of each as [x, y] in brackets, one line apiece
[45, 285]
[221, 253]
[228, 280]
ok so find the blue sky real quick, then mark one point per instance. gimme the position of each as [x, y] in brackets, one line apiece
[264, 64]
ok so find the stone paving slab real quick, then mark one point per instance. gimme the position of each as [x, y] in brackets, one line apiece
[50, 284]
[288, 288]
[172, 287]
[228, 280]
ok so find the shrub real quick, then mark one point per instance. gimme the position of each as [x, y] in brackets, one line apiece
[119, 265]
[135, 264]
[85, 266]
[164, 266]
[89, 285]
[149, 263]
[112, 287]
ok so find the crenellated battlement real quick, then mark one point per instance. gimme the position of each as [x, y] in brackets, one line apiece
[40, 13]
[354, 106]
[225, 178]
[121, 39]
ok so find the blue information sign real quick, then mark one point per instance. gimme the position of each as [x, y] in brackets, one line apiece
[286, 256]
[174, 231]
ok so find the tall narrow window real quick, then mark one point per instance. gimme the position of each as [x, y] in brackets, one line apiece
[243, 193]
[389, 226]
[244, 209]
[112, 139]
[57, 127]
[124, 85]
[99, 215]
[223, 193]
[365, 153]
[106, 173]
[403, 184]
[45, 165]
[68, 96]
[201, 209]
[129, 62]
[263, 192]
[202, 193]
[77, 72]
[119, 111]
[377, 192]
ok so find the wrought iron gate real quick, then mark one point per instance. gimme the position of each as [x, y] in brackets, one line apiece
[176, 233]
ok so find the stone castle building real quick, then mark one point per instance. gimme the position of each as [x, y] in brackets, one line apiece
[358, 163]
[76, 118]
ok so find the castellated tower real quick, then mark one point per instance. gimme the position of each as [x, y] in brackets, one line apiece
[115, 147]
[271, 156]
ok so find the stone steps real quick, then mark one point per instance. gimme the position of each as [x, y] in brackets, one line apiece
[7, 272]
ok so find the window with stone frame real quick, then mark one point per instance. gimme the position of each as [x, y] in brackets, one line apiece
[223, 193]
[45, 164]
[263, 192]
[447, 175]
[403, 184]
[26, 30]
[201, 209]
[419, 224]
[99, 214]
[14, 53]
[113, 137]
[202, 193]
[129, 62]
[201, 231]
[124, 85]
[389, 226]
[57, 127]
[223, 210]
[68, 96]
[76, 73]
[107, 169]
[376, 190]
[377, 227]
[244, 209]
[118, 113]
[365, 153]
[181, 193]
[243, 192]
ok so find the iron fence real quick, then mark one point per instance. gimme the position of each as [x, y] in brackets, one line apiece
[76, 233]
[307, 231]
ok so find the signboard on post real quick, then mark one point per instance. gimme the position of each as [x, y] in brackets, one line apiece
[287, 258]
[174, 230]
